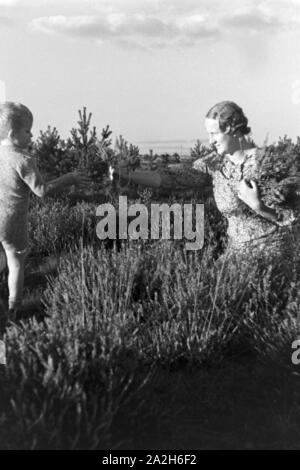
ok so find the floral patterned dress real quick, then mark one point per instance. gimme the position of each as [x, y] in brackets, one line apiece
[248, 232]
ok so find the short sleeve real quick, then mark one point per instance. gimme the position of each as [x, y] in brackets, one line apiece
[30, 174]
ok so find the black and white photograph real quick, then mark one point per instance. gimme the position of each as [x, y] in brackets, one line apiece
[149, 228]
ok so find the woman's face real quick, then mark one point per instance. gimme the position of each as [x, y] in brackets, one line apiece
[224, 142]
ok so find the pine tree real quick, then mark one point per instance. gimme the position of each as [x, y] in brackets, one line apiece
[51, 153]
[83, 138]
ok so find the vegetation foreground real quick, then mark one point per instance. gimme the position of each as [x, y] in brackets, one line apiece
[141, 344]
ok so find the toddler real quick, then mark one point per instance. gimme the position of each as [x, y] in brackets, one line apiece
[18, 176]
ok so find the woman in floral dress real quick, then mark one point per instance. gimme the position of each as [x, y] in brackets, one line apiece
[231, 170]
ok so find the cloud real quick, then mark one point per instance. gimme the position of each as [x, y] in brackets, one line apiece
[136, 28]
[74, 26]
[254, 21]
[162, 23]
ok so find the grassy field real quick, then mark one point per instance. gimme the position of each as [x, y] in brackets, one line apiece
[143, 345]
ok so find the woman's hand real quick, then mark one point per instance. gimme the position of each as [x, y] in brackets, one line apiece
[122, 170]
[250, 195]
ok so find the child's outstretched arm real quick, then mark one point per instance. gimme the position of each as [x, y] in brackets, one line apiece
[30, 174]
[59, 185]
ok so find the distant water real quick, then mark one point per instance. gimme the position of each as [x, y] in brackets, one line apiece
[182, 147]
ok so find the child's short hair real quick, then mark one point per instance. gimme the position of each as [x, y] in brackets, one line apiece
[13, 116]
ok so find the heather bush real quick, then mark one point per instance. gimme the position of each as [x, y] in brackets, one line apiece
[113, 317]
[163, 302]
[55, 225]
[65, 392]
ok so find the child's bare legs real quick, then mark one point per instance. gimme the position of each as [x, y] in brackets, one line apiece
[3, 261]
[16, 265]
[3, 264]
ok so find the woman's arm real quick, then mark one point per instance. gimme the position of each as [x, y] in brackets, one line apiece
[286, 217]
[184, 177]
[266, 212]
[250, 195]
[145, 178]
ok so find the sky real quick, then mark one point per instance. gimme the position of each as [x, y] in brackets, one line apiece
[151, 69]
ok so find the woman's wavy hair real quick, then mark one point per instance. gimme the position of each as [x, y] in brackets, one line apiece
[13, 116]
[229, 114]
